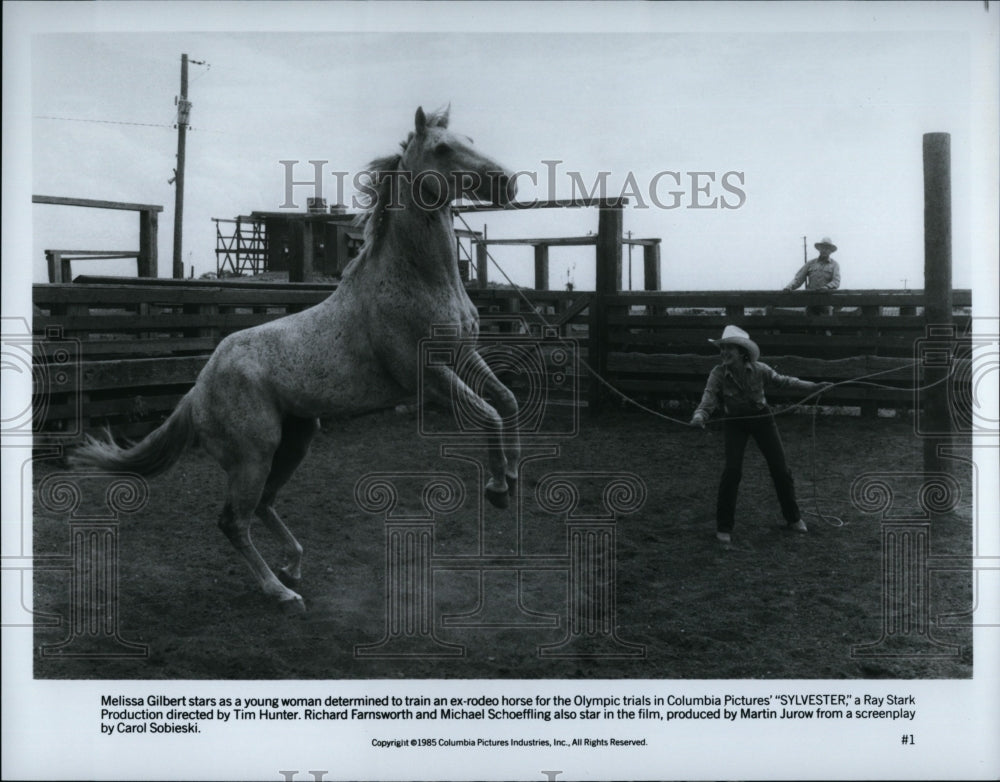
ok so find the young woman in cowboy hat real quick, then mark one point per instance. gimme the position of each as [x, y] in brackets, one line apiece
[737, 386]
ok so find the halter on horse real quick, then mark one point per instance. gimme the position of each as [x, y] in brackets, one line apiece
[257, 402]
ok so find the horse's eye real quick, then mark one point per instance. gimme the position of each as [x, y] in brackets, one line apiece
[443, 148]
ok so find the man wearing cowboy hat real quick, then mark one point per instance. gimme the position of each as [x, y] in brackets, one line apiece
[737, 385]
[819, 274]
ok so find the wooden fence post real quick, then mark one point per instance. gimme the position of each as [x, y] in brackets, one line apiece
[938, 312]
[482, 259]
[148, 260]
[609, 250]
[59, 270]
[651, 267]
[541, 267]
[608, 282]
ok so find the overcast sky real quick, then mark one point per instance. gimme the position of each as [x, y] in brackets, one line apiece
[816, 113]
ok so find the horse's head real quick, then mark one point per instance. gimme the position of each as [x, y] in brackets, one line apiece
[443, 166]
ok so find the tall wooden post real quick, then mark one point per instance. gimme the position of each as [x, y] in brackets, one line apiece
[541, 267]
[608, 278]
[482, 260]
[148, 254]
[183, 112]
[937, 295]
[481, 263]
[609, 250]
[651, 267]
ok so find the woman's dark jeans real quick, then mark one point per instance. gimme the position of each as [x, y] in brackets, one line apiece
[765, 432]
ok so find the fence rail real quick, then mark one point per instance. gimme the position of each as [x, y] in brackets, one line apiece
[136, 346]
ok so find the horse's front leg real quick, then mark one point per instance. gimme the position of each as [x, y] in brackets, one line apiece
[444, 383]
[478, 373]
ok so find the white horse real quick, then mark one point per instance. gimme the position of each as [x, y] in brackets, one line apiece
[257, 402]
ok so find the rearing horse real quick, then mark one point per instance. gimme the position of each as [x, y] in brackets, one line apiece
[257, 402]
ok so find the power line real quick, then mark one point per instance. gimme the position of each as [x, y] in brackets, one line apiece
[152, 125]
[104, 121]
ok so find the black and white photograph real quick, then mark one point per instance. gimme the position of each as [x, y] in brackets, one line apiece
[542, 391]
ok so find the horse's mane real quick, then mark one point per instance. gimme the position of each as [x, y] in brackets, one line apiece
[380, 172]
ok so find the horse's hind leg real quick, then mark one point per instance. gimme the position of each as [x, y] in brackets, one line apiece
[296, 434]
[245, 481]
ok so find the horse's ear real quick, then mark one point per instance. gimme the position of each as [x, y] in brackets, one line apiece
[420, 120]
[442, 121]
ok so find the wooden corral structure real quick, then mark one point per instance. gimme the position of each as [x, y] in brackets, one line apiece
[138, 345]
[607, 243]
[321, 242]
[302, 244]
[240, 246]
[60, 261]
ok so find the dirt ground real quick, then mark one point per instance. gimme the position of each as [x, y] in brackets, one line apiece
[771, 605]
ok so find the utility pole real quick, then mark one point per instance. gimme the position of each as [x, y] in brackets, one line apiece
[183, 113]
[805, 252]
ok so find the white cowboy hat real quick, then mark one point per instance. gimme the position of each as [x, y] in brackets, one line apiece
[734, 335]
[825, 242]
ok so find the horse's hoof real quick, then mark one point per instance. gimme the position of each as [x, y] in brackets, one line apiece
[288, 579]
[293, 605]
[499, 499]
[511, 486]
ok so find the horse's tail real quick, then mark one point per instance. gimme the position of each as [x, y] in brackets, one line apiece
[150, 456]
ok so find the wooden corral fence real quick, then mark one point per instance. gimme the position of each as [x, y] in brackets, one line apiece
[136, 346]
[60, 261]
[653, 346]
[656, 347]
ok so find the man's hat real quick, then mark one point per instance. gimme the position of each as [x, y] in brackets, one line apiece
[825, 242]
[733, 335]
